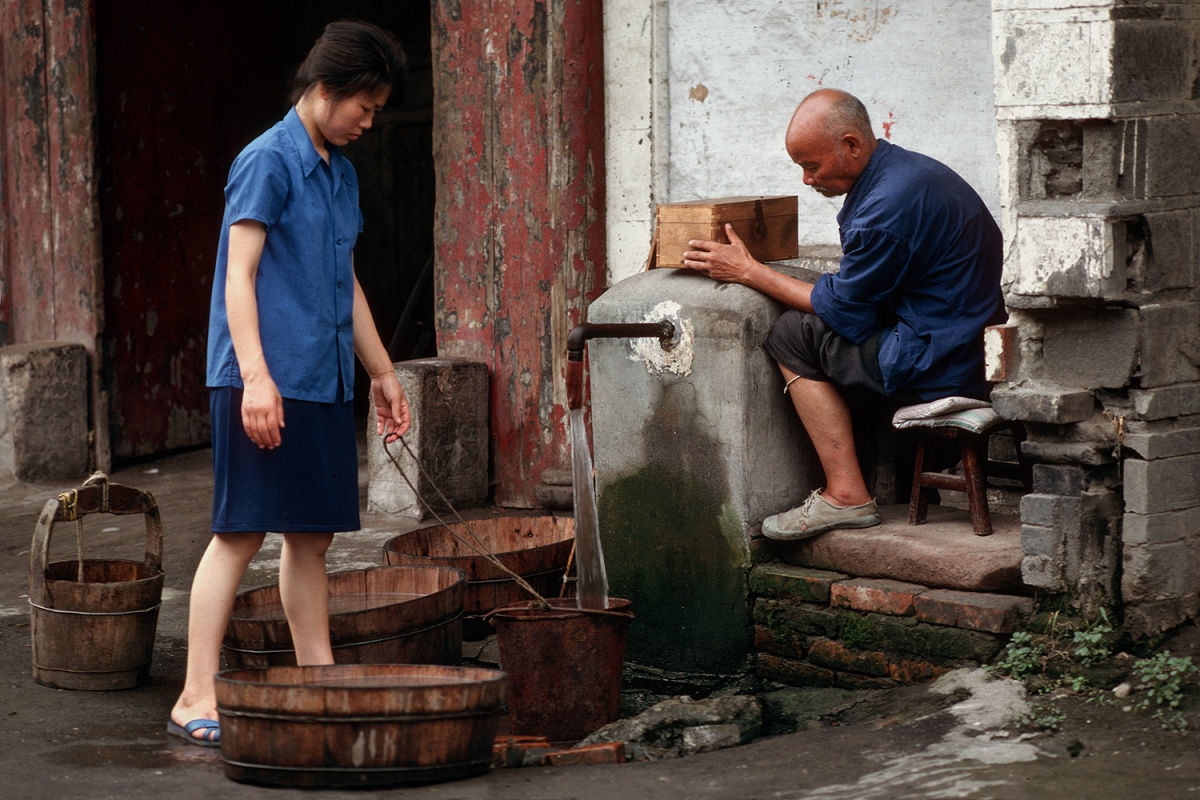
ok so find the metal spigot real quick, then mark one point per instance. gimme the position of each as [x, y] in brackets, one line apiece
[662, 330]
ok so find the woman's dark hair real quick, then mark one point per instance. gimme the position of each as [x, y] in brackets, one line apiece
[351, 57]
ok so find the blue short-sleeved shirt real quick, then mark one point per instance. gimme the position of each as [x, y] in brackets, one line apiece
[305, 281]
[921, 263]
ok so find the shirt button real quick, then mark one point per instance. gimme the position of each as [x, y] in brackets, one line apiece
[339, 241]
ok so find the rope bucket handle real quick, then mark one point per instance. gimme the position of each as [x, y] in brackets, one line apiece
[95, 496]
[477, 546]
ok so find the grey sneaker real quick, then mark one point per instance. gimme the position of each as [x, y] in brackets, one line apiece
[818, 515]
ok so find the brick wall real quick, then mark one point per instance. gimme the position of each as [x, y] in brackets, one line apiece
[820, 628]
[1101, 358]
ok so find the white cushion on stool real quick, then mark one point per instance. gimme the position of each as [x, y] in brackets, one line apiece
[964, 413]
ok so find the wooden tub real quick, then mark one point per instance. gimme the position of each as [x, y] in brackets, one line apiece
[358, 724]
[536, 547]
[379, 615]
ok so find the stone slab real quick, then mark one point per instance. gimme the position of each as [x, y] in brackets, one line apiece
[43, 411]
[875, 594]
[785, 580]
[1171, 354]
[1066, 257]
[1165, 484]
[446, 458]
[1049, 404]
[993, 613]
[1096, 350]
[942, 553]
[834, 655]
[1066, 480]
[792, 672]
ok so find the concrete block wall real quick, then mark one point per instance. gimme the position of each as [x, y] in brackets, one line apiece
[43, 411]
[446, 457]
[1099, 133]
[821, 628]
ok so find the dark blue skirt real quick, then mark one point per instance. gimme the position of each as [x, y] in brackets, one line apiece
[309, 484]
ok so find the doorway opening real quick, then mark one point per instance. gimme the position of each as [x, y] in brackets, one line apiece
[181, 89]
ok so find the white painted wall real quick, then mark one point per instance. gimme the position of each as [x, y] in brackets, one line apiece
[699, 94]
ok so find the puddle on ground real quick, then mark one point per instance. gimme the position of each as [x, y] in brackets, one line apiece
[134, 755]
[953, 766]
[126, 744]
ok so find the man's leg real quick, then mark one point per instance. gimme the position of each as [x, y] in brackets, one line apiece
[845, 501]
[826, 418]
[816, 364]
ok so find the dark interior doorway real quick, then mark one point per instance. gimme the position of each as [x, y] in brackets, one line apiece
[181, 88]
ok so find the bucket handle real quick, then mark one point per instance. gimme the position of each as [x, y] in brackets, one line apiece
[96, 496]
[558, 613]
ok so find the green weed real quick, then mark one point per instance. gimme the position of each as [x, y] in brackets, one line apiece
[1041, 717]
[1161, 681]
[1092, 646]
[1023, 658]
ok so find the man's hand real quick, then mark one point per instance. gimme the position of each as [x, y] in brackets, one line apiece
[729, 263]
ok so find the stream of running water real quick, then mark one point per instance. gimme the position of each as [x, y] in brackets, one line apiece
[591, 582]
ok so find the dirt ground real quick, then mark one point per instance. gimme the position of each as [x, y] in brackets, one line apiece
[939, 741]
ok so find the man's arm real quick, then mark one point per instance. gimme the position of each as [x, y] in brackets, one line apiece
[732, 263]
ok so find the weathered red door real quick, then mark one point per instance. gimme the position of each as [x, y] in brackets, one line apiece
[181, 88]
[178, 94]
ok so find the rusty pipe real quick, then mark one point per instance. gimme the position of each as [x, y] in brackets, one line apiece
[663, 330]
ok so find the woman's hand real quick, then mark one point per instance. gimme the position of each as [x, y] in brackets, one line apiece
[391, 407]
[262, 412]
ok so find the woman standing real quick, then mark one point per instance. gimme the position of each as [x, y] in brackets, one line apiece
[287, 318]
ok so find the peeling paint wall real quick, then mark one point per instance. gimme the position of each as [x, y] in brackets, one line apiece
[50, 255]
[519, 225]
[701, 97]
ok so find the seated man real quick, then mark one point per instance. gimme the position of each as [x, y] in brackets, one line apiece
[903, 318]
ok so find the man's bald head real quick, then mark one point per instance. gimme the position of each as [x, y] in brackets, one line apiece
[837, 112]
[830, 137]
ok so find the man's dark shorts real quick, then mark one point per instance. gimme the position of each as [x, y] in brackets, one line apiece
[804, 344]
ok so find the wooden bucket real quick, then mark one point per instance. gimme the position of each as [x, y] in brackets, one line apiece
[536, 547]
[93, 621]
[378, 615]
[358, 725]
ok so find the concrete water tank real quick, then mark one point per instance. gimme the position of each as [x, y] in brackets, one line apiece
[693, 446]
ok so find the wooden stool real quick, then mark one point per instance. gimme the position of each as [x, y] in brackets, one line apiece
[969, 423]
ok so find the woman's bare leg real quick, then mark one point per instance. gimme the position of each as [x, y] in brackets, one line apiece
[304, 589]
[214, 588]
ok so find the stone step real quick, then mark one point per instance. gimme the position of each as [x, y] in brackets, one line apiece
[944, 553]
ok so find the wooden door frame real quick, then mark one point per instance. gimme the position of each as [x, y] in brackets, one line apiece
[51, 280]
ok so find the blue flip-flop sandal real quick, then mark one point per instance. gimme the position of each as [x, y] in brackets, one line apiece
[211, 736]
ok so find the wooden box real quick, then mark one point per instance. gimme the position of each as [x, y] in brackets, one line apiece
[766, 223]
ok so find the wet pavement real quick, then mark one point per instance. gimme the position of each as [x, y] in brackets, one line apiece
[954, 739]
